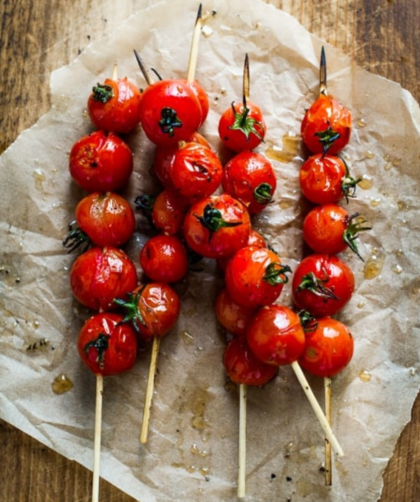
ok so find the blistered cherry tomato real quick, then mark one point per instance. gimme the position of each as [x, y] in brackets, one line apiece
[98, 276]
[101, 162]
[232, 317]
[168, 212]
[217, 226]
[164, 259]
[249, 177]
[115, 106]
[326, 126]
[276, 336]
[254, 239]
[322, 284]
[106, 345]
[328, 348]
[243, 367]
[255, 277]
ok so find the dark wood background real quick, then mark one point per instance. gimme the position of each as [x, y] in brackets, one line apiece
[38, 36]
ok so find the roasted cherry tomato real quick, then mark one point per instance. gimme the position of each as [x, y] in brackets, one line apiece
[168, 212]
[242, 126]
[255, 277]
[328, 348]
[153, 309]
[329, 229]
[98, 276]
[322, 284]
[164, 259]
[276, 336]
[254, 239]
[217, 226]
[243, 367]
[202, 97]
[249, 177]
[232, 317]
[106, 345]
[326, 179]
[169, 112]
[101, 162]
[115, 106]
[326, 126]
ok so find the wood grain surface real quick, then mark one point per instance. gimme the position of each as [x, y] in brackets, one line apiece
[36, 37]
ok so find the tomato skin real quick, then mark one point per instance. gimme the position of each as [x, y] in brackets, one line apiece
[247, 277]
[250, 178]
[202, 97]
[224, 241]
[164, 259]
[176, 101]
[328, 348]
[107, 219]
[168, 212]
[121, 112]
[98, 276]
[236, 139]
[324, 114]
[231, 316]
[276, 336]
[101, 162]
[254, 239]
[120, 350]
[332, 273]
[243, 367]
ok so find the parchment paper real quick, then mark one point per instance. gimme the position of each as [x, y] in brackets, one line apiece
[192, 450]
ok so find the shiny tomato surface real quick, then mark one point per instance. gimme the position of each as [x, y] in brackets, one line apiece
[168, 212]
[231, 316]
[254, 239]
[202, 97]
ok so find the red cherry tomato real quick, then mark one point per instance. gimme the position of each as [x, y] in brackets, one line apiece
[202, 97]
[276, 336]
[254, 239]
[98, 276]
[106, 345]
[169, 112]
[153, 309]
[328, 348]
[322, 284]
[231, 316]
[255, 277]
[115, 106]
[329, 229]
[242, 127]
[164, 259]
[101, 162]
[168, 212]
[217, 226]
[326, 126]
[249, 177]
[243, 367]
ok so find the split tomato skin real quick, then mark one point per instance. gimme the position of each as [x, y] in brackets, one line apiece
[328, 348]
[231, 316]
[115, 106]
[276, 336]
[106, 345]
[98, 276]
[101, 162]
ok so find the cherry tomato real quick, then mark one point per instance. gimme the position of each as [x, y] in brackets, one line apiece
[243, 367]
[196, 172]
[326, 126]
[329, 229]
[328, 348]
[255, 277]
[322, 284]
[231, 316]
[169, 112]
[153, 309]
[98, 276]
[101, 162]
[115, 106]
[249, 177]
[106, 345]
[276, 336]
[202, 97]
[254, 239]
[217, 226]
[164, 259]
[168, 212]
[242, 126]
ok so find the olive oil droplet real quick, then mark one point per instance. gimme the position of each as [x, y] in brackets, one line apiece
[287, 152]
[61, 384]
[365, 376]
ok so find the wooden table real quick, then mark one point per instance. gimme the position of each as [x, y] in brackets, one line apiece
[37, 37]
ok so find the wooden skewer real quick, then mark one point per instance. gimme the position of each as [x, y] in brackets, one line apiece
[328, 414]
[145, 73]
[192, 63]
[317, 409]
[242, 440]
[323, 74]
[246, 80]
[115, 72]
[149, 390]
[97, 441]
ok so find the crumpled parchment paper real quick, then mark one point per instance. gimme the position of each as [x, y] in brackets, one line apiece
[192, 449]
